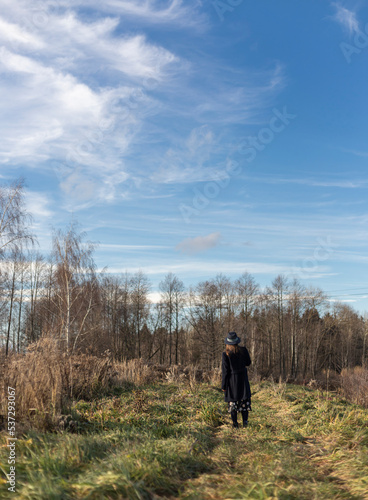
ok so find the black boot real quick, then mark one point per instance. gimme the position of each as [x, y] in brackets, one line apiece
[234, 418]
[245, 418]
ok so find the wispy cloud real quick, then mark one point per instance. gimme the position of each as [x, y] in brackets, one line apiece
[343, 300]
[239, 98]
[188, 161]
[345, 183]
[229, 97]
[201, 268]
[82, 121]
[351, 256]
[199, 244]
[38, 204]
[114, 247]
[363, 154]
[177, 12]
[183, 14]
[346, 18]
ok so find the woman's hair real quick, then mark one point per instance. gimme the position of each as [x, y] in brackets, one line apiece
[234, 349]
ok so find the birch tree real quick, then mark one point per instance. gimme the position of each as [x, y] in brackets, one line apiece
[14, 218]
[74, 284]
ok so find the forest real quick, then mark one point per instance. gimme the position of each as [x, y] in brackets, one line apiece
[293, 332]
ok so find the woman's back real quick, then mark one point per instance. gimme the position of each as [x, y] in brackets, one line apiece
[239, 360]
[235, 383]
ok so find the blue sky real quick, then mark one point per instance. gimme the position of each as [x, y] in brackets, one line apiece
[195, 137]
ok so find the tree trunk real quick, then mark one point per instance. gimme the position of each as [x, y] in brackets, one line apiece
[10, 314]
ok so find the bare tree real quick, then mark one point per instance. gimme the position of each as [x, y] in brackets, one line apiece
[14, 218]
[117, 314]
[159, 332]
[74, 284]
[23, 276]
[296, 304]
[38, 308]
[247, 291]
[203, 316]
[111, 304]
[226, 302]
[312, 327]
[277, 295]
[14, 234]
[364, 337]
[140, 287]
[172, 295]
[11, 286]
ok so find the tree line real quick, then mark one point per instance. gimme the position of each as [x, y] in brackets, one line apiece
[291, 330]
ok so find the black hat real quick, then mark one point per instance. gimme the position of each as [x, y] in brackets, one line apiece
[232, 339]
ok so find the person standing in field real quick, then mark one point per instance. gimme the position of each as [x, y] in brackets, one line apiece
[235, 383]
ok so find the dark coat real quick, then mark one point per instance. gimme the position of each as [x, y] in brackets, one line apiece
[234, 375]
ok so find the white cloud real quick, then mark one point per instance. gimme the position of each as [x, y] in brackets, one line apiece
[37, 204]
[218, 104]
[343, 300]
[43, 120]
[228, 96]
[112, 247]
[346, 18]
[345, 183]
[205, 268]
[199, 244]
[154, 297]
[54, 107]
[183, 14]
[187, 162]
[14, 34]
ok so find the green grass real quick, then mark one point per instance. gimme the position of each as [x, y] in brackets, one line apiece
[172, 441]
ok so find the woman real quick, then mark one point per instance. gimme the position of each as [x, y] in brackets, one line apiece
[235, 382]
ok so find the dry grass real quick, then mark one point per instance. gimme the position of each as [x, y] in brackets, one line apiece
[136, 372]
[192, 375]
[46, 381]
[354, 382]
[133, 371]
[165, 440]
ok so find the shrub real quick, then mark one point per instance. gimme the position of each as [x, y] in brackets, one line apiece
[46, 380]
[355, 385]
[133, 371]
[328, 380]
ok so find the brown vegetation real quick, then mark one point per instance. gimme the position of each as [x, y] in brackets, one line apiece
[354, 383]
[46, 380]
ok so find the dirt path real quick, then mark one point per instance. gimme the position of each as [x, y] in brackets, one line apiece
[281, 454]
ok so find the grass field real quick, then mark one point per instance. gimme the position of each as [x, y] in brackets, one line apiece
[169, 440]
